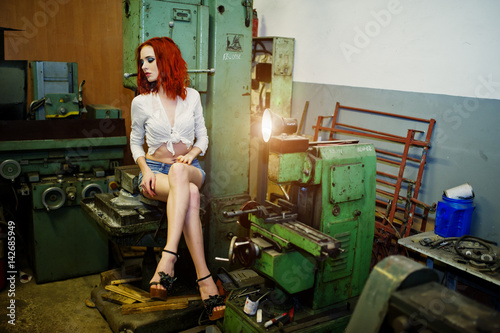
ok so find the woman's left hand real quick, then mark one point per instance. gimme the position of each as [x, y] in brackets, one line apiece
[186, 159]
[190, 156]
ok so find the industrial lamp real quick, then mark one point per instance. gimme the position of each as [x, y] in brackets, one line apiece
[273, 124]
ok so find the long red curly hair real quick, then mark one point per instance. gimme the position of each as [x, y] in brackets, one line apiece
[172, 69]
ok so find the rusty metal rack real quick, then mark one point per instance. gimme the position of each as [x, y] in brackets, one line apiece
[396, 209]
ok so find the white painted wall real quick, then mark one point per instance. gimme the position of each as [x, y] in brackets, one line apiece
[449, 47]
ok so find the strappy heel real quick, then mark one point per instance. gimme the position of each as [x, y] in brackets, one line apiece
[212, 302]
[166, 281]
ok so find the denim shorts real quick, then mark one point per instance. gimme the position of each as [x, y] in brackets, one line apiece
[158, 167]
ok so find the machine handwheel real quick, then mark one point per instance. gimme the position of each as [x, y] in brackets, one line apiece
[53, 198]
[91, 190]
[231, 254]
[10, 169]
[243, 219]
[246, 251]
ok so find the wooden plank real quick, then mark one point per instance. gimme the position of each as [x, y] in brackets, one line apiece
[124, 281]
[130, 271]
[117, 298]
[153, 306]
[130, 291]
[172, 303]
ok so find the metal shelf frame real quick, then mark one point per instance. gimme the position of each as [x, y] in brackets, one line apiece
[387, 228]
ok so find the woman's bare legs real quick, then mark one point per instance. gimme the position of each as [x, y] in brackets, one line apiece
[193, 234]
[187, 210]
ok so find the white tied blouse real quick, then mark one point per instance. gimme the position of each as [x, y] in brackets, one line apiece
[150, 119]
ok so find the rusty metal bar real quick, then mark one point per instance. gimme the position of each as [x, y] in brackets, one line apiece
[373, 136]
[367, 130]
[394, 177]
[388, 161]
[413, 159]
[388, 194]
[334, 120]
[383, 113]
[386, 229]
[418, 183]
[385, 182]
[410, 135]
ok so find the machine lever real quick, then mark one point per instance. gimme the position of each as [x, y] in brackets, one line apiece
[249, 11]
[195, 71]
[239, 213]
[210, 70]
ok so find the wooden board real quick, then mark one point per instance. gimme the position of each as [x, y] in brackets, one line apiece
[126, 272]
[124, 281]
[130, 291]
[117, 298]
[173, 303]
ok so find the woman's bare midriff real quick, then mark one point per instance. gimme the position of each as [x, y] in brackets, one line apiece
[164, 156]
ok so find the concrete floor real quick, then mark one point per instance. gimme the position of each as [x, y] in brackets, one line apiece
[53, 307]
[58, 306]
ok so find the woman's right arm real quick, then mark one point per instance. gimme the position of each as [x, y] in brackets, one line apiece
[138, 117]
[148, 177]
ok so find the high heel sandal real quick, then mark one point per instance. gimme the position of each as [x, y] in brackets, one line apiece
[212, 302]
[165, 280]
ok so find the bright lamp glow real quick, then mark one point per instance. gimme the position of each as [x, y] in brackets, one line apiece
[273, 124]
[267, 125]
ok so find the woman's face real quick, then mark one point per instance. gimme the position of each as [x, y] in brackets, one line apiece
[148, 63]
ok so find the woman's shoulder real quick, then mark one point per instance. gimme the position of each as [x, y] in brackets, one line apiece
[192, 93]
[142, 99]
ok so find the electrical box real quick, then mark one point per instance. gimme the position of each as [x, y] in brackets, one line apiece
[102, 111]
[272, 74]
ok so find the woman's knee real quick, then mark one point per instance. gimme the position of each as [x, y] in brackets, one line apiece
[178, 172]
[194, 195]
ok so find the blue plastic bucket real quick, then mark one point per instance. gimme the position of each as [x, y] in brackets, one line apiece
[453, 217]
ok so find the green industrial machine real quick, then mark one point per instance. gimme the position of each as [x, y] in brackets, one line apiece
[51, 159]
[51, 165]
[55, 90]
[402, 295]
[315, 244]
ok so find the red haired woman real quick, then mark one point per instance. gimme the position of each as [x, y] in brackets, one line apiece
[170, 116]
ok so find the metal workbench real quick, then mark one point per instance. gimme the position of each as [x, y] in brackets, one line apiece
[445, 259]
[448, 257]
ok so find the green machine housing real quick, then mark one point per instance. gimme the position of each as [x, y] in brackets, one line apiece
[51, 165]
[316, 245]
[57, 84]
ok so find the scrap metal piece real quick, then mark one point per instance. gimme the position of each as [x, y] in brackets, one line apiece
[391, 274]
